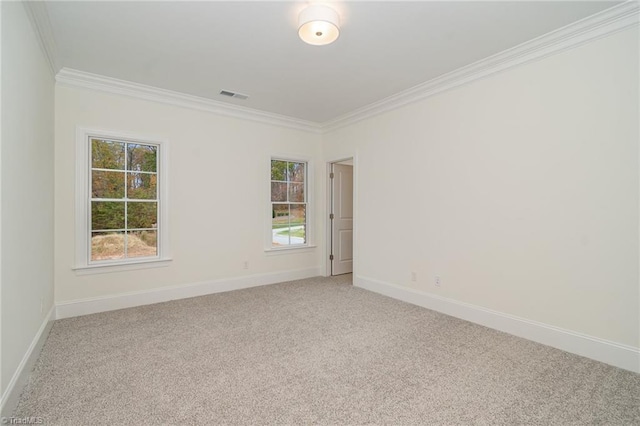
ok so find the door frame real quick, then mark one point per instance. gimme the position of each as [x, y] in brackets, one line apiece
[327, 211]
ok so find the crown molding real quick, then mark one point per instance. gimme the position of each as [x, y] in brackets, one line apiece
[596, 26]
[39, 17]
[80, 79]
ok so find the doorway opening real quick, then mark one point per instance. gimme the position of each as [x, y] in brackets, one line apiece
[340, 218]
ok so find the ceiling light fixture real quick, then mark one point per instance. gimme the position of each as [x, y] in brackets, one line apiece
[318, 25]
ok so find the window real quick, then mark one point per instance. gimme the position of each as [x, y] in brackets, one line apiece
[289, 206]
[121, 199]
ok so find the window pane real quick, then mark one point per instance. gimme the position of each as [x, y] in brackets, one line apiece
[107, 246]
[296, 172]
[141, 186]
[298, 234]
[142, 243]
[290, 235]
[141, 158]
[280, 215]
[280, 223]
[107, 215]
[278, 170]
[298, 215]
[280, 236]
[278, 191]
[142, 215]
[296, 192]
[298, 224]
[107, 184]
[107, 154]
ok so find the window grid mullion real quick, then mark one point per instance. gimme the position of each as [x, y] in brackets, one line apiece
[158, 209]
[289, 223]
[99, 169]
[126, 197]
[90, 200]
[288, 177]
[122, 200]
[123, 230]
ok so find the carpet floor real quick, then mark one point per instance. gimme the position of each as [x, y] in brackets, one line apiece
[312, 351]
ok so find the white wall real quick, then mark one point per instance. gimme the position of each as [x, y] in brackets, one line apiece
[218, 192]
[519, 190]
[27, 189]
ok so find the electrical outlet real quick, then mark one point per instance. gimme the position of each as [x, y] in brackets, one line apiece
[437, 281]
[414, 276]
[245, 264]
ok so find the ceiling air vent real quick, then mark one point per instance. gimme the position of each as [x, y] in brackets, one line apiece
[233, 94]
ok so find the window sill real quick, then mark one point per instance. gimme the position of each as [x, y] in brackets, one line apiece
[121, 267]
[288, 250]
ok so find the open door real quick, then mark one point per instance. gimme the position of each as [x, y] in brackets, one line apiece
[341, 218]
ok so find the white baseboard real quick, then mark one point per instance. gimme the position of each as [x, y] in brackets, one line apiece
[616, 354]
[94, 305]
[9, 400]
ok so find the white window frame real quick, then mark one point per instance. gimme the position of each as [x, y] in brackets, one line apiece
[310, 206]
[83, 264]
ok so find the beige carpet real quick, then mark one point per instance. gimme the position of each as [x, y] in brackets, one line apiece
[312, 351]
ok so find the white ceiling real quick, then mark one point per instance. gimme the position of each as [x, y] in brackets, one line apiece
[200, 48]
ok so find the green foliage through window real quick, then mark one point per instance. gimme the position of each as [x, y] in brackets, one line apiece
[124, 199]
[288, 202]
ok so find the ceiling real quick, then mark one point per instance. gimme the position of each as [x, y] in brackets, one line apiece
[200, 48]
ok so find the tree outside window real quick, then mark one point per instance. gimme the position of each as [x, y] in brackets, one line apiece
[288, 202]
[124, 200]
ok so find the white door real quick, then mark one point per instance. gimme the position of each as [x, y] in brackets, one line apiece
[342, 219]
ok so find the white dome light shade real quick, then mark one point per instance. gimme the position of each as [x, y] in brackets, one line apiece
[318, 25]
